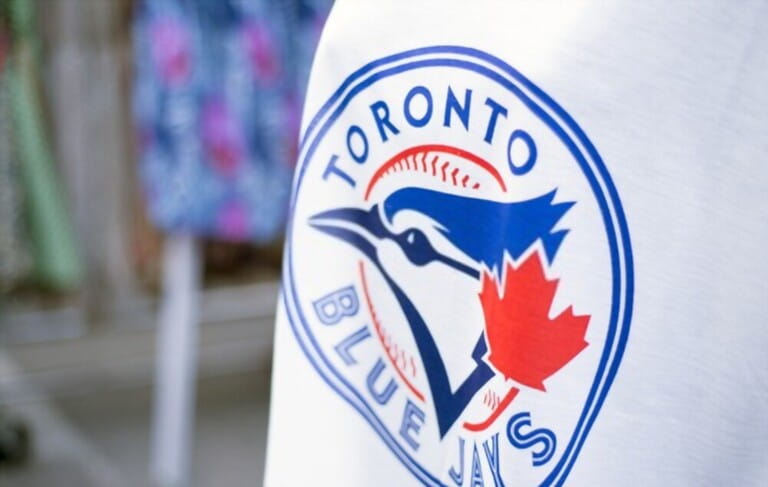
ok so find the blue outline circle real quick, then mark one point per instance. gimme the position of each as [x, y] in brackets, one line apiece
[425, 119]
[616, 231]
[532, 152]
[358, 159]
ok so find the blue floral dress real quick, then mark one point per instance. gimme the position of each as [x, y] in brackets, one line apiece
[217, 100]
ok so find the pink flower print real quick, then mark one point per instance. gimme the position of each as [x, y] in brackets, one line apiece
[261, 47]
[232, 221]
[171, 51]
[222, 137]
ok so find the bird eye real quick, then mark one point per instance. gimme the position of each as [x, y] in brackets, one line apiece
[411, 237]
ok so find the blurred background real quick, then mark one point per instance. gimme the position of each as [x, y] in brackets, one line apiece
[146, 153]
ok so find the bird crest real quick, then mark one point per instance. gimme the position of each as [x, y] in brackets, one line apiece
[486, 230]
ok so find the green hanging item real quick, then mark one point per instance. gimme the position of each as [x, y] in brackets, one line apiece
[14, 257]
[57, 263]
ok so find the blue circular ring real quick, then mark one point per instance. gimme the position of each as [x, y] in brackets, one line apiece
[591, 165]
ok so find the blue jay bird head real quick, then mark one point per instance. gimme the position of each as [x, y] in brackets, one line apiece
[482, 230]
[365, 230]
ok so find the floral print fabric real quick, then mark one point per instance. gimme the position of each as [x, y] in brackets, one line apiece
[216, 102]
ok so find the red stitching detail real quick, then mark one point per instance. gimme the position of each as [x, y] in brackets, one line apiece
[392, 351]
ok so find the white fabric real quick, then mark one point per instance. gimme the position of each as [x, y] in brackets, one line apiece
[673, 96]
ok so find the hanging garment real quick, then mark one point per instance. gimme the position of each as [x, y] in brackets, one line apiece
[308, 22]
[217, 105]
[14, 258]
[528, 248]
[56, 261]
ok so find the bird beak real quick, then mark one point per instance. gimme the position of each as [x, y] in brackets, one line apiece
[355, 226]
[351, 220]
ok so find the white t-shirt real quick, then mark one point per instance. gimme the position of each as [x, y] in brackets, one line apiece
[528, 247]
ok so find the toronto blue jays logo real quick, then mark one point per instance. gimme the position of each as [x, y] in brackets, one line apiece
[458, 268]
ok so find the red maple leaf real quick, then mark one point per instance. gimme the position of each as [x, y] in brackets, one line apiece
[526, 345]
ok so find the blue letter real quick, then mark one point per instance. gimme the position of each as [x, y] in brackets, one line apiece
[359, 158]
[413, 419]
[418, 122]
[496, 110]
[492, 454]
[531, 149]
[343, 347]
[384, 396]
[458, 478]
[477, 471]
[332, 307]
[452, 103]
[332, 169]
[539, 436]
[382, 119]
